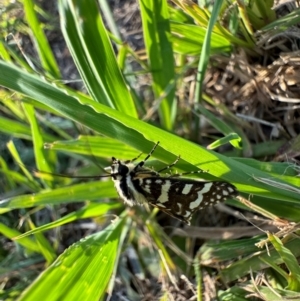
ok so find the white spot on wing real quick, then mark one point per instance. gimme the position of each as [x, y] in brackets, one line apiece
[207, 187]
[200, 193]
[164, 197]
[179, 211]
[147, 188]
[187, 188]
[197, 202]
[187, 214]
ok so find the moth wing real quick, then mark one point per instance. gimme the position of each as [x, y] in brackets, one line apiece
[180, 198]
[174, 215]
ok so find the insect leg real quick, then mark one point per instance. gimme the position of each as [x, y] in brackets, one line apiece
[180, 174]
[169, 166]
[188, 173]
[134, 159]
[148, 156]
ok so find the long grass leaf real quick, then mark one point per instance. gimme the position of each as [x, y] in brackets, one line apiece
[83, 271]
[157, 36]
[44, 50]
[141, 135]
[93, 54]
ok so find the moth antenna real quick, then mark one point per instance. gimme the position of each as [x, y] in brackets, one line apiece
[38, 173]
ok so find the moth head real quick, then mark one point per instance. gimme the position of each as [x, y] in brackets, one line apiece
[118, 169]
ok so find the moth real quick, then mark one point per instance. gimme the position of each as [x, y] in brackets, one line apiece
[178, 197]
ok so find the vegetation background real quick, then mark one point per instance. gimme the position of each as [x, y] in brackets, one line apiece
[216, 82]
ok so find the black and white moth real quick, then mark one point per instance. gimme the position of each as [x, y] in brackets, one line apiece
[178, 197]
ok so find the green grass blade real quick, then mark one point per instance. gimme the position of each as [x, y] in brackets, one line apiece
[11, 147]
[263, 149]
[45, 53]
[19, 130]
[232, 138]
[141, 135]
[45, 248]
[83, 271]
[97, 146]
[91, 210]
[157, 36]
[41, 156]
[229, 249]
[12, 106]
[16, 128]
[26, 242]
[6, 171]
[109, 18]
[254, 263]
[203, 61]
[206, 50]
[125, 230]
[93, 54]
[155, 232]
[222, 127]
[188, 39]
[290, 261]
[4, 53]
[73, 193]
[283, 23]
[16, 177]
